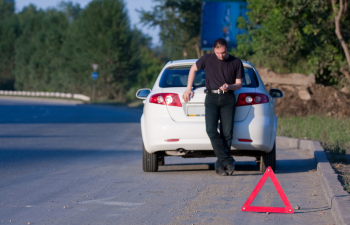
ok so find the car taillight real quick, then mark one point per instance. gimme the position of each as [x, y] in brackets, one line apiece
[170, 99]
[251, 99]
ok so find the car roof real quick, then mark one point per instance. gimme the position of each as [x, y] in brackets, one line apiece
[192, 61]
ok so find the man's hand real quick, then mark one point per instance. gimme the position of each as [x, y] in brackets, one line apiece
[224, 87]
[187, 95]
[232, 87]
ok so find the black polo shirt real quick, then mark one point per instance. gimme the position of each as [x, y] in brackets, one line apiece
[219, 72]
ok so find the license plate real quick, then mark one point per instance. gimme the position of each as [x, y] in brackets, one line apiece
[195, 111]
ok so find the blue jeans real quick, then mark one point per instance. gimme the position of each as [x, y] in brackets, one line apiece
[223, 107]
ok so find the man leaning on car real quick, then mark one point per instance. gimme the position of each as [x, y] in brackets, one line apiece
[224, 75]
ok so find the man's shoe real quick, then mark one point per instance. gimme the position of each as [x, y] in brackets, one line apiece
[221, 171]
[230, 168]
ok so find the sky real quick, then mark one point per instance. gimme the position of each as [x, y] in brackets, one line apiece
[130, 4]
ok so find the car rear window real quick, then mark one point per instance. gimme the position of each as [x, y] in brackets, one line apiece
[178, 76]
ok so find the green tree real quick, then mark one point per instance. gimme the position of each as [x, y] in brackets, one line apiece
[7, 9]
[8, 35]
[151, 63]
[102, 35]
[179, 22]
[343, 8]
[71, 10]
[37, 50]
[294, 36]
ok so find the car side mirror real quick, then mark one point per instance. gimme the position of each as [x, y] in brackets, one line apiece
[143, 93]
[276, 93]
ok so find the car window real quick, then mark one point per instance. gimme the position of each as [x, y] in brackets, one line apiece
[178, 77]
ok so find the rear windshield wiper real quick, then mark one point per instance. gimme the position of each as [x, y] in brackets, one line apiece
[194, 87]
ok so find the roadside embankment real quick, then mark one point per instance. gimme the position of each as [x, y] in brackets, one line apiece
[303, 97]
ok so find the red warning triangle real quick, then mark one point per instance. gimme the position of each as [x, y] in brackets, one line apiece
[288, 207]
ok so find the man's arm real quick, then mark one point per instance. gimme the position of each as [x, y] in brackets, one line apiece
[232, 87]
[188, 93]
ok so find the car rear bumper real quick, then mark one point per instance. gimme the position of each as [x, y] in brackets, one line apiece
[192, 135]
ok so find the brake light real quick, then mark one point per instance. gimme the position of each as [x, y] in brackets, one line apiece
[169, 99]
[251, 99]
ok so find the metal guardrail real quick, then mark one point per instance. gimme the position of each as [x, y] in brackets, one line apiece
[45, 94]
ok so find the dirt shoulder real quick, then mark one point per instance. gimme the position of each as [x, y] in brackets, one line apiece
[323, 100]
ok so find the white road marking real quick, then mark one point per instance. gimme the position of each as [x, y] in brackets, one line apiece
[104, 202]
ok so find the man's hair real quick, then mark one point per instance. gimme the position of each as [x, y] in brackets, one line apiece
[219, 43]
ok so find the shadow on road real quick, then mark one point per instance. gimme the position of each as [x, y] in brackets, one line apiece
[243, 167]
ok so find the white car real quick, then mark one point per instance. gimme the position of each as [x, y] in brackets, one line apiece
[172, 127]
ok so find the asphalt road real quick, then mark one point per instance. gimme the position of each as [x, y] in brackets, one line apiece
[63, 163]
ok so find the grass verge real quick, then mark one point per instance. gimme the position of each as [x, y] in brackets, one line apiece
[321, 128]
[334, 135]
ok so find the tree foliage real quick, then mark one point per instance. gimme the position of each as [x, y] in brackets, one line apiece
[151, 63]
[102, 35]
[53, 49]
[294, 36]
[179, 22]
[38, 50]
[7, 9]
[8, 34]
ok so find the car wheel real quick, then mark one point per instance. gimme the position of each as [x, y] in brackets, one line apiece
[161, 161]
[268, 159]
[149, 161]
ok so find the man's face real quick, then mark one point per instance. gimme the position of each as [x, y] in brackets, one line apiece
[221, 52]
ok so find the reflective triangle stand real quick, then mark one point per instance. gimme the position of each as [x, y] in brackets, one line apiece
[288, 207]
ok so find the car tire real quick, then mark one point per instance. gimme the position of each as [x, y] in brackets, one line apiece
[268, 159]
[149, 161]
